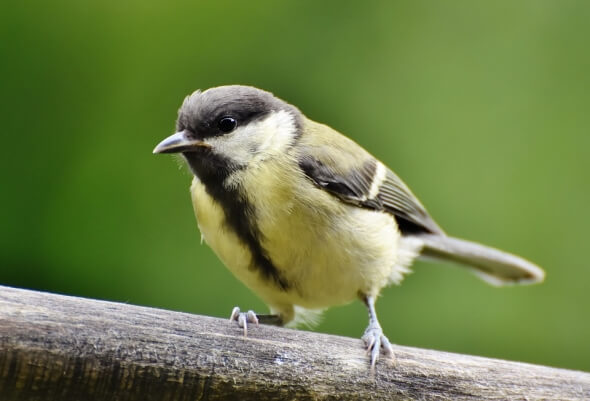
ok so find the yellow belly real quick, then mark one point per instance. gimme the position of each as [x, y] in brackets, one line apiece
[327, 250]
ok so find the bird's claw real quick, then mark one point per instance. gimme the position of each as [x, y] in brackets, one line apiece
[376, 341]
[243, 318]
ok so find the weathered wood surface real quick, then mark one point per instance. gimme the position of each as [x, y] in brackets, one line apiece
[55, 347]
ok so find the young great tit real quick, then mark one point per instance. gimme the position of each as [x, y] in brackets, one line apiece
[304, 216]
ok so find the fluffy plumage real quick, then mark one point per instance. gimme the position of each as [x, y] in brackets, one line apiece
[304, 216]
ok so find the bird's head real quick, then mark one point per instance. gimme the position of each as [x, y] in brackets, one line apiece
[231, 126]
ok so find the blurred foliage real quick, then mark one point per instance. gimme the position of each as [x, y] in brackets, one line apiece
[483, 109]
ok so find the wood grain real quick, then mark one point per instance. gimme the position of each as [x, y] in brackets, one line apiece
[55, 347]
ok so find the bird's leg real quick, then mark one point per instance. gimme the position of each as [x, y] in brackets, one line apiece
[243, 318]
[374, 337]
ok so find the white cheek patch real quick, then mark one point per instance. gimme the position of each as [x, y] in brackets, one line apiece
[276, 132]
[256, 140]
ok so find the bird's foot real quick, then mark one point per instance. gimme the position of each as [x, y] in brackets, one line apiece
[376, 341]
[243, 318]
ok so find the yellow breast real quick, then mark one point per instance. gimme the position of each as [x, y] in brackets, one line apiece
[327, 250]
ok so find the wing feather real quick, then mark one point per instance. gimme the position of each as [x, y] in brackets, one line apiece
[357, 186]
[340, 166]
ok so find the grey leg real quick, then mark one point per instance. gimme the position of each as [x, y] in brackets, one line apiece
[374, 337]
[243, 318]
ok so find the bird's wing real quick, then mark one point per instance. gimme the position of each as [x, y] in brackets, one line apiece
[355, 177]
[343, 168]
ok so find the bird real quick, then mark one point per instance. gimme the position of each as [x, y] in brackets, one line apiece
[304, 216]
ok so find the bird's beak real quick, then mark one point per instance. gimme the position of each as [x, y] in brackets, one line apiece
[180, 142]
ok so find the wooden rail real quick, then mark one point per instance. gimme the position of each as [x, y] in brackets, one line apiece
[55, 347]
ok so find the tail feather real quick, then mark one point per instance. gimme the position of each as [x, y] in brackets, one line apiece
[492, 265]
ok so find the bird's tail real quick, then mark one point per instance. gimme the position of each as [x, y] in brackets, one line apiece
[492, 265]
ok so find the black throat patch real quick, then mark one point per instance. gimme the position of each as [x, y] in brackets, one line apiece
[239, 214]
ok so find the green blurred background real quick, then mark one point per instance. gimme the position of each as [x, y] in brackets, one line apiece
[482, 107]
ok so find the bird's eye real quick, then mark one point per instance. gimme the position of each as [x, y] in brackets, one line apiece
[227, 124]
